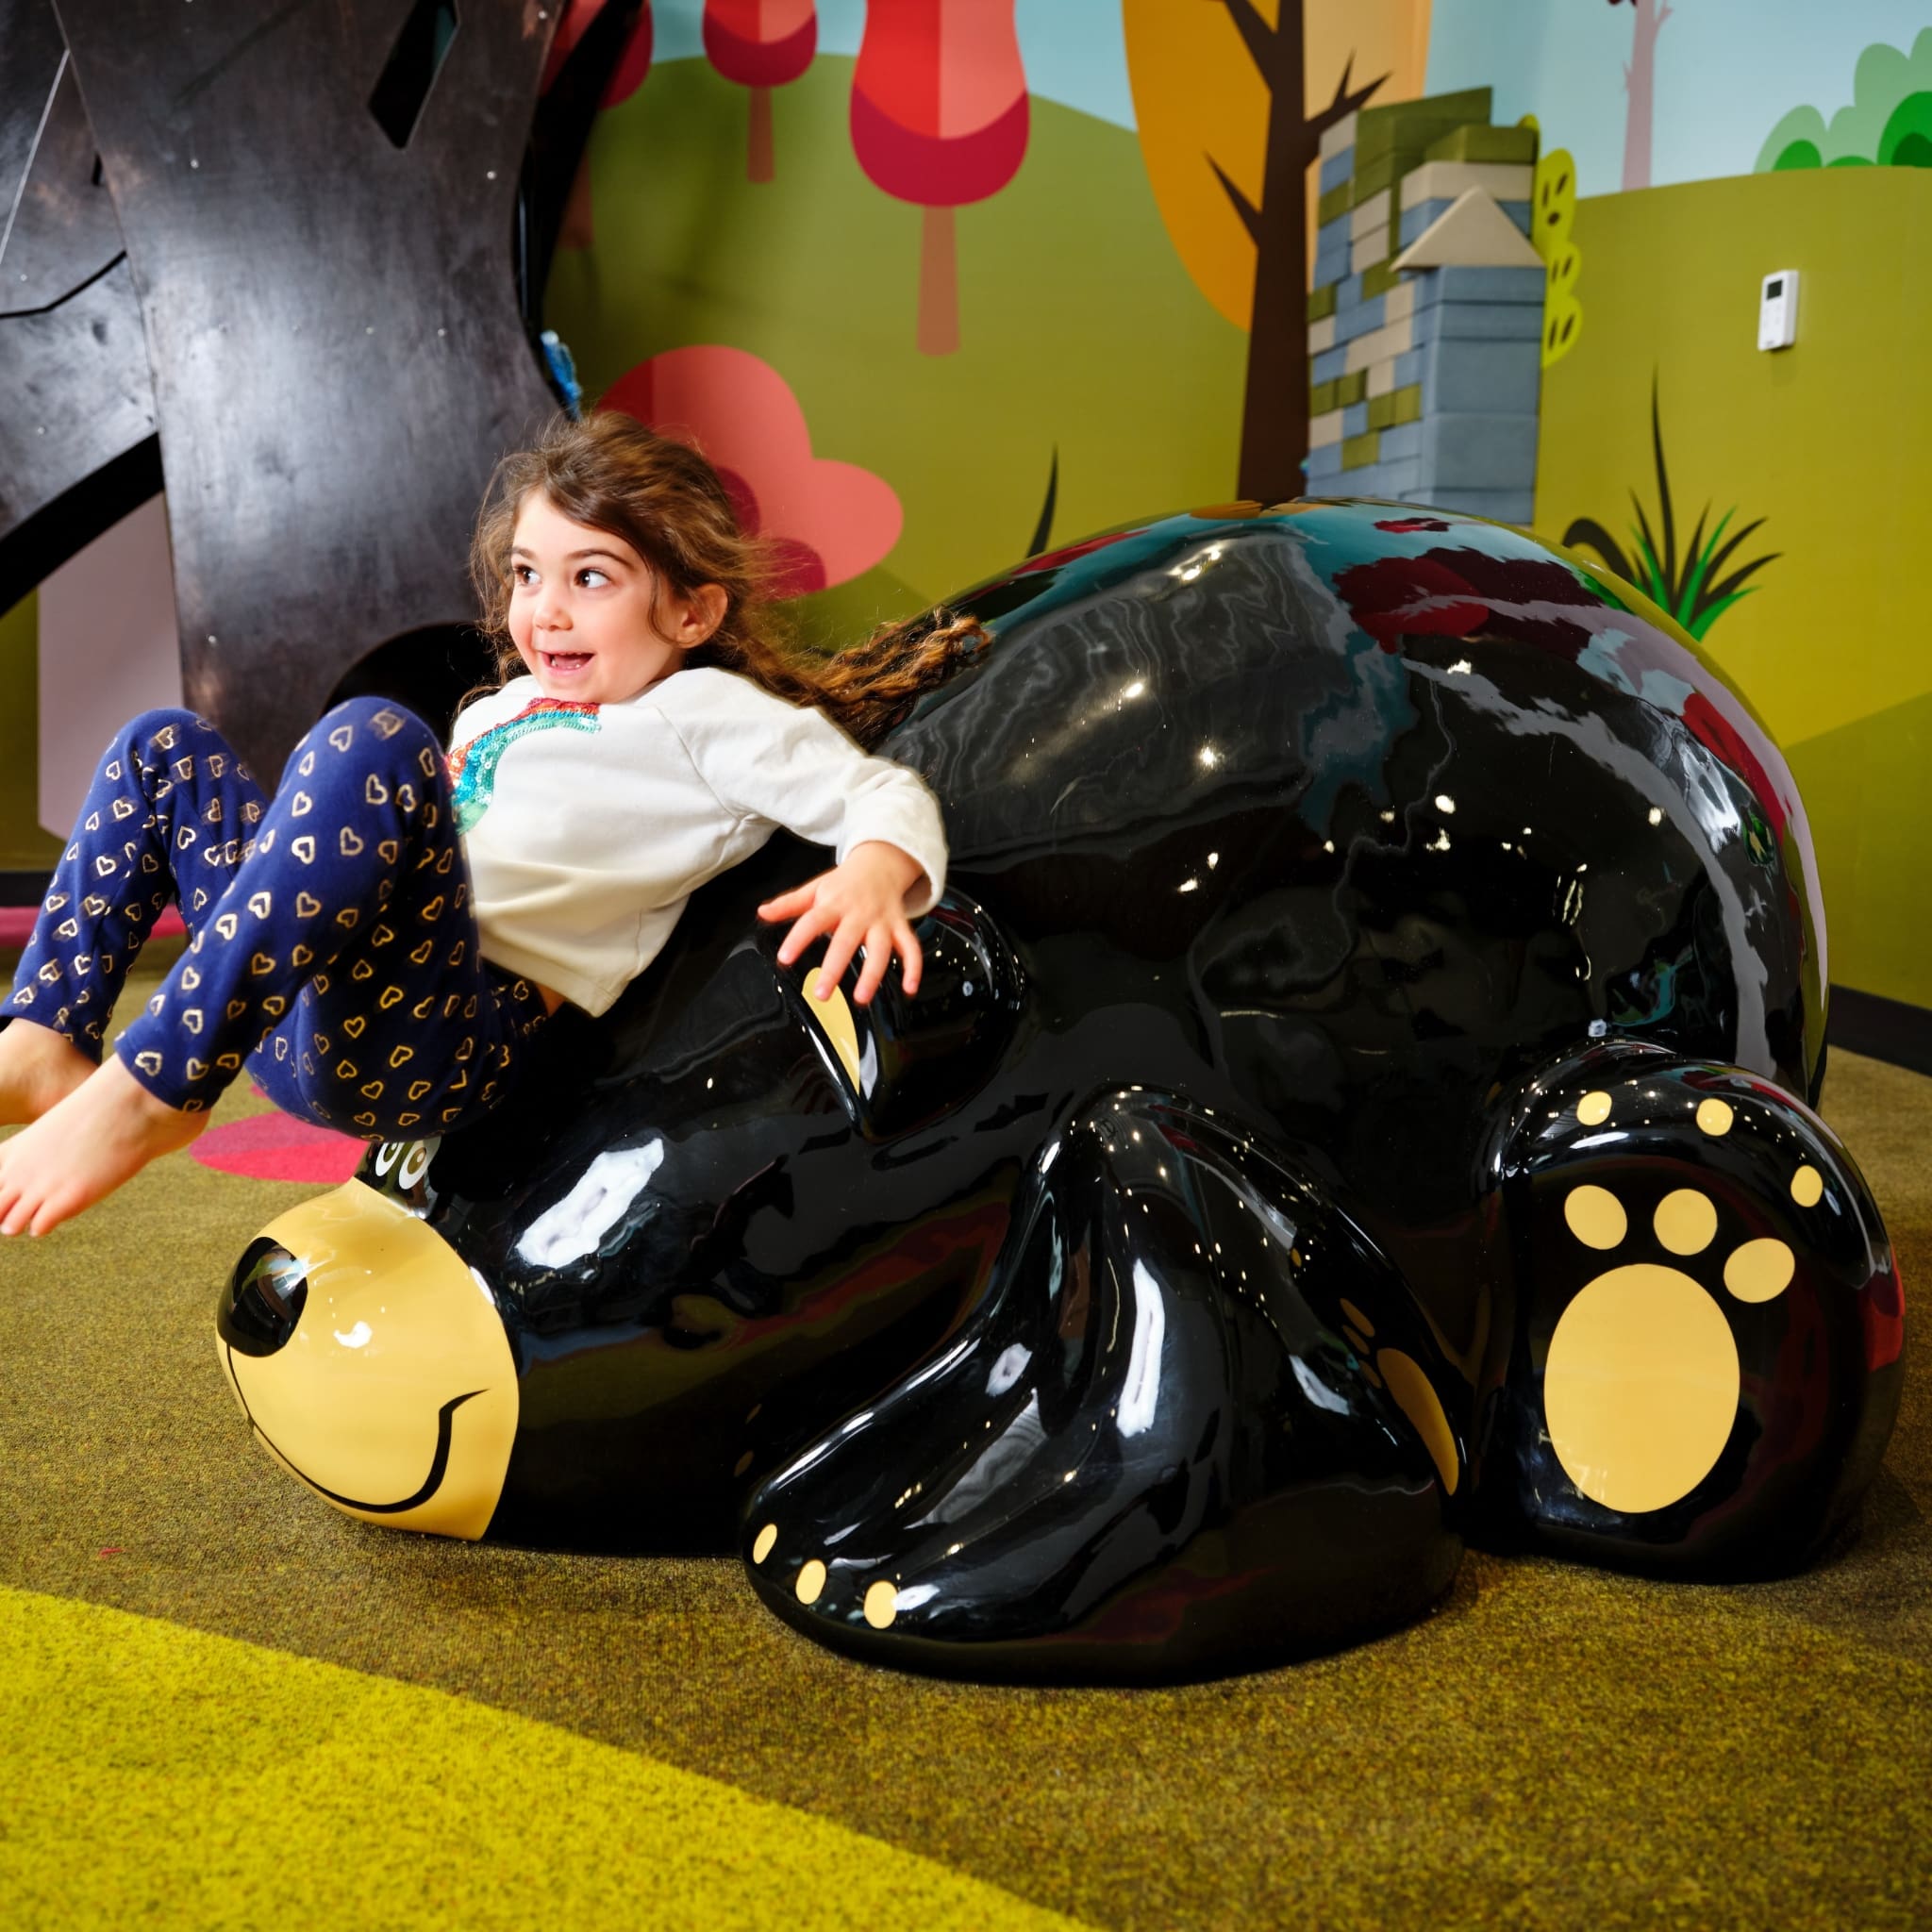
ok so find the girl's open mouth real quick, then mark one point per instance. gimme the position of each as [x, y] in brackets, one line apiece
[565, 663]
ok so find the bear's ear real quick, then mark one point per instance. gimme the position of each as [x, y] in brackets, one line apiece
[905, 1062]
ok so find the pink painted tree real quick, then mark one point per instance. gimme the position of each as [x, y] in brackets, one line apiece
[633, 62]
[940, 118]
[760, 44]
[1639, 82]
[827, 522]
[630, 63]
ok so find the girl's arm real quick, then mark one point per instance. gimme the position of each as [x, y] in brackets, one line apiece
[792, 767]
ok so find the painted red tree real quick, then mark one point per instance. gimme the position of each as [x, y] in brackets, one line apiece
[630, 59]
[1639, 82]
[626, 54]
[940, 118]
[760, 44]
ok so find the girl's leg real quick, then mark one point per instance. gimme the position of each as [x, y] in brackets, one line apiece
[347, 924]
[422, 1066]
[404, 1031]
[344, 955]
[170, 814]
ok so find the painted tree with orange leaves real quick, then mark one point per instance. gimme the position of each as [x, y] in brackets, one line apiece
[1274, 407]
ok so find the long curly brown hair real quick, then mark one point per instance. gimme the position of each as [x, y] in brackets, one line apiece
[611, 473]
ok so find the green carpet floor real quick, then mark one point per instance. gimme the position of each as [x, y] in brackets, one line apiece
[306, 1720]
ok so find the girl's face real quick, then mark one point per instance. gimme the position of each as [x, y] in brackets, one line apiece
[582, 609]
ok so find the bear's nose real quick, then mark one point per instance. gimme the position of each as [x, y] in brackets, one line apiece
[262, 1303]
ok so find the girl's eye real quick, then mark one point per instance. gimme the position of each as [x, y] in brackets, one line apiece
[592, 571]
[522, 574]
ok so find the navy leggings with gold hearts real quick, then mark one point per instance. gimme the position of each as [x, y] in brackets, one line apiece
[333, 950]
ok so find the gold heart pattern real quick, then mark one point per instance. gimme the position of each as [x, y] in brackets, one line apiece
[391, 825]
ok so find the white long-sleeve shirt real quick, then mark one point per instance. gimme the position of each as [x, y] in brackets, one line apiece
[587, 826]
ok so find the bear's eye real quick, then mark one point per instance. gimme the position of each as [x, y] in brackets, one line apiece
[906, 1063]
[397, 1168]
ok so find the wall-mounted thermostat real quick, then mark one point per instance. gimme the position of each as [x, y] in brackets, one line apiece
[1777, 310]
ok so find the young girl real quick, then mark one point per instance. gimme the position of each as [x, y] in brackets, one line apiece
[378, 945]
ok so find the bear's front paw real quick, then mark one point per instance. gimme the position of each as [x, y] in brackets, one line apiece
[1703, 1363]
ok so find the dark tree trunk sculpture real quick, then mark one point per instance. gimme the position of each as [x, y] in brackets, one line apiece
[77, 447]
[331, 314]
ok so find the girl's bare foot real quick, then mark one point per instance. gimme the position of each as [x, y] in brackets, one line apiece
[39, 1069]
[103, 1133]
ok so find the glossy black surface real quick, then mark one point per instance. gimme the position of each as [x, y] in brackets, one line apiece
[1350, 855]
[1165, 1439]
[1820, 1363]
[257, 1313]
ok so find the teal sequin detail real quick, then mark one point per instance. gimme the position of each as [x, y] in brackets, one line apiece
[473, 767]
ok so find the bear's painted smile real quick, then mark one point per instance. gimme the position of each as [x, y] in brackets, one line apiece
[439, 1466]
[343, 1330]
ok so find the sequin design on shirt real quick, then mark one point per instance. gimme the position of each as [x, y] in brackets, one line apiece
[472, 766]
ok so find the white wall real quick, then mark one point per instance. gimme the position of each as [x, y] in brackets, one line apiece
[107, 650]
[1727, 70]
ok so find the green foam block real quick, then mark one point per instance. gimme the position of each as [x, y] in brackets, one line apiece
[1380, 277]
[1338, 201]
[1379, 131]
[1395, 407]
[1506, 145]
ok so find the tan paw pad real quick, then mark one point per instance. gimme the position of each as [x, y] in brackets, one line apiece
[1642, 1383]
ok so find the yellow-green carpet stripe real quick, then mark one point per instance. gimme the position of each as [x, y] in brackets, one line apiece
[161, 1776]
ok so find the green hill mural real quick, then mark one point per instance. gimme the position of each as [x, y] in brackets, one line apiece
[1888, 124]
[1823, 443]
[1079, 330]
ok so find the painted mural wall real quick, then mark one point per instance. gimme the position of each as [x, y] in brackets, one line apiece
[976, 275]
[1772, 500]
[942, 283]
[1721, 75]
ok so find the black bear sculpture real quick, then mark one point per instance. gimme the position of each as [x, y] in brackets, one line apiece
[1360, 1102]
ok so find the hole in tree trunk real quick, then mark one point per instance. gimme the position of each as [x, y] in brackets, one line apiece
[411, 69]
[430, 671]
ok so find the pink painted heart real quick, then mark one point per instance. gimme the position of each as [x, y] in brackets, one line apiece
[830, 521]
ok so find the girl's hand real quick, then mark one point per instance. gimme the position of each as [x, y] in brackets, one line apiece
[861, 903]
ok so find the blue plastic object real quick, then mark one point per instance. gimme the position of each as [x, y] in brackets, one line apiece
[563, 372]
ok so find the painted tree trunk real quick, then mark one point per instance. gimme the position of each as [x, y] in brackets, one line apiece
[290, 432]
[939, 117]
[1640, 79]
[757, 151]
[1274, 409]
[938, 283]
